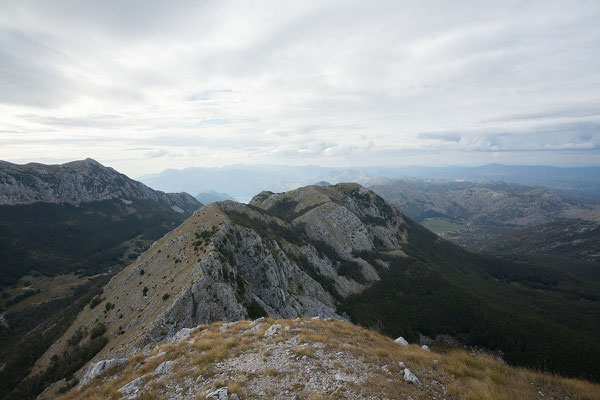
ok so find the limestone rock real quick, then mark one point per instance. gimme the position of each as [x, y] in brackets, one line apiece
[99, 368]
[219, 394]
[401, 341]
[410, 377]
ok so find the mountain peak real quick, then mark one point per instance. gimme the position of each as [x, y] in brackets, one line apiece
[77, 182]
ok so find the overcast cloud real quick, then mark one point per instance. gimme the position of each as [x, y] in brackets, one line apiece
[147, 85]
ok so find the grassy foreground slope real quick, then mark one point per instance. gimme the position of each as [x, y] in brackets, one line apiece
[317, 359]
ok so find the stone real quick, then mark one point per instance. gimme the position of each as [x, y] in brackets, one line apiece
[401, 341]
[132, 387]
[99, 368]
[272, 331]
[410, 377]
[182, 334]
[164, 368]
[218, 394]
[425, 347]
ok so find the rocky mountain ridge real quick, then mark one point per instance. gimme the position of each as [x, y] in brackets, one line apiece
[231, 261]
[78, 182]
[311, 359]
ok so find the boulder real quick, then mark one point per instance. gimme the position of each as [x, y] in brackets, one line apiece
[401, 341]
[272, 331]
[425, 347]
[132, 387]
[219, 394]
[164, 368]
[410, 377]
[182, 334]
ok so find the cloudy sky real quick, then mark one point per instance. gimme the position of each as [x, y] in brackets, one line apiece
[147, 85]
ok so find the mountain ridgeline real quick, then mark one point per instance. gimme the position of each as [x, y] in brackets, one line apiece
[78, 216]
[338, 251]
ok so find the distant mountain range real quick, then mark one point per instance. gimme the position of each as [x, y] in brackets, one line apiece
[469, 212]
[210, 196]
[243, 181]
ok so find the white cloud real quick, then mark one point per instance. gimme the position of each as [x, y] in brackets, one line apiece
[155, 84]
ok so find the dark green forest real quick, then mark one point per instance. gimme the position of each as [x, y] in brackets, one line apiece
[539, 316]
[56, 239]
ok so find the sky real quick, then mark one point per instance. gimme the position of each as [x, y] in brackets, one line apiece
[145, 85]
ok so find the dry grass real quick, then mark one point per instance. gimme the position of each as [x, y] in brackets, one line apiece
[465, 376]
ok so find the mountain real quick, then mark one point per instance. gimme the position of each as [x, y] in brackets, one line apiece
[78, 182]
[575, 239]
[581, 185]
[339, 251]
[312, 359]
[210, 196]
[78, 216]
[469, 212]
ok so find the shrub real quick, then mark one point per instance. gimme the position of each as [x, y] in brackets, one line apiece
[95, 301]
[165, 296]
[98, 331]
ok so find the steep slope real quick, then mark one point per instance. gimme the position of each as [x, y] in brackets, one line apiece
[481, 210]
[312, 359]
[339, 251]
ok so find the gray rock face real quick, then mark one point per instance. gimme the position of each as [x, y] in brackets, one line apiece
[78, 182]
[99, 368]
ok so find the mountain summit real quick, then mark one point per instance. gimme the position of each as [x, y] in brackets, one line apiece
[78, 182]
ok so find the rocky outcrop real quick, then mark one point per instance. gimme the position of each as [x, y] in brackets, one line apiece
[78, 182]
[100, 368]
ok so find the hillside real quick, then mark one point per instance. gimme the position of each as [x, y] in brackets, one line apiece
[312, 359]
[341, 252]
[576, 239]
[470, 212]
